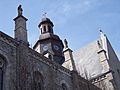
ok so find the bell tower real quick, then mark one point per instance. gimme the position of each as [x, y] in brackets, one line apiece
[46, 26]
[49, 44]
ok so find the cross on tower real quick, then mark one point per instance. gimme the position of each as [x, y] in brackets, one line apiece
[45, 14]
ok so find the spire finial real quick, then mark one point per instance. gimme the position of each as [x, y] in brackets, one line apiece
[100, 29]
[20, 10]
[101, 32]
[65, 43]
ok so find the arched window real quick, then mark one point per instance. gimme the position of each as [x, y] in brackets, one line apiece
[38, 81]
[41, 30]
[1, 72]
[64, 87]
[49, 28]
[50, 57]
[44, 28]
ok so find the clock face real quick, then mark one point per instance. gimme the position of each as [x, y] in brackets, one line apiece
[45, 47]
[56, 47]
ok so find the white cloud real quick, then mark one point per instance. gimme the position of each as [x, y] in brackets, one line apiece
[113, 14]
[66, 7]
[64, 10]
[87, 2]
[81, 6]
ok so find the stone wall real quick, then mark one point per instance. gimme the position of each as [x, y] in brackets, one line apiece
[26, 69]
[8, 52]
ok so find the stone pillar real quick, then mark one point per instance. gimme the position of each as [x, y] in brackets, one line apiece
[69, 62]
[103, 60]
[20, 27]
[21, 69]
[106, 68]
[75, 80]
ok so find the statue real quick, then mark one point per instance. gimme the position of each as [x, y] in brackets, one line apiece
[65, 43]
[20, 10]
[99, 44]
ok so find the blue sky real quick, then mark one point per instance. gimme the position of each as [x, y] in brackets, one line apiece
[76, 20]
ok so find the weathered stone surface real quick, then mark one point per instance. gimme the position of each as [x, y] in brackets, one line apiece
[22, 62]
[98, 62]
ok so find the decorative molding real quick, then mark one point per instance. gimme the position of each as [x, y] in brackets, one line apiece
[11, 41]
[100, 77]
[48, 62]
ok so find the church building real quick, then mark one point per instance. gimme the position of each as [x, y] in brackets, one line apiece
[98, 63]
[48, 66]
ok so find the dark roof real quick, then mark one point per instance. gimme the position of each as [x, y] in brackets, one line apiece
[45, 20]
[48, 35]
[20, 16]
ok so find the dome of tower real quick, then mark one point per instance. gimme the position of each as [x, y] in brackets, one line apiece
[45, 20]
